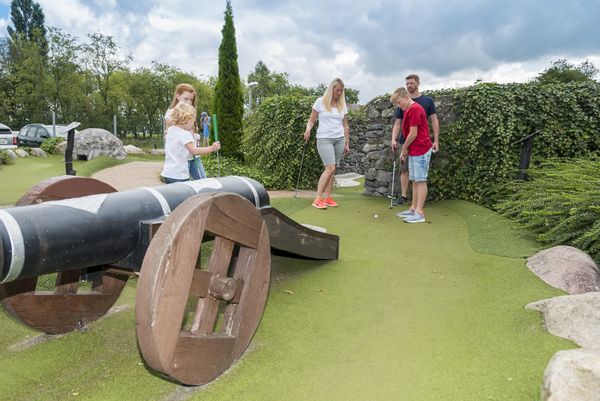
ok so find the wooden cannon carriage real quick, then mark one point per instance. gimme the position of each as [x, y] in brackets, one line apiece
[202, 250]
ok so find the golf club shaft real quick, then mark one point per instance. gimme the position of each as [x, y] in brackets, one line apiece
[300, 171]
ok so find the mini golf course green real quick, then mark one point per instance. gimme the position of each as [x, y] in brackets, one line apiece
[417, 312]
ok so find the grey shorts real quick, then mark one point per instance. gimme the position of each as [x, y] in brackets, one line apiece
[331, 149]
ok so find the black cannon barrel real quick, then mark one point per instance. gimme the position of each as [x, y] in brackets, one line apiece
[98, 229]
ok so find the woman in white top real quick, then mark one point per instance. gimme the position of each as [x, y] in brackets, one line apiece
[333, 137]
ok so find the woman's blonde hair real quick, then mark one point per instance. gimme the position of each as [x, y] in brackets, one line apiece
[398, 93]
[182, 113]
[179, 90]
[328, 96]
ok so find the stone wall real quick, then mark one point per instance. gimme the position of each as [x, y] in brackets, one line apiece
[370, 142]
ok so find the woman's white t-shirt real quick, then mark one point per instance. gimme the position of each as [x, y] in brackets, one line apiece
[176, 154]
[330, 122]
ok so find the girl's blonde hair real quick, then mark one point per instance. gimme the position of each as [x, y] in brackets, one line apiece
[182, 113]
[328, 96]
[179, 90]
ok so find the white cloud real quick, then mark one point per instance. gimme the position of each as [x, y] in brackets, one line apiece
[371, 45]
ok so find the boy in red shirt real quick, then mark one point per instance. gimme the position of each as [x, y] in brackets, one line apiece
[417, 147]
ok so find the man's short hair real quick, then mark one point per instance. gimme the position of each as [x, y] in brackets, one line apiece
[398, 93]
[413, 76]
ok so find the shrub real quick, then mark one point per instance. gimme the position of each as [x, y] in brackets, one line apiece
[480, 149]
[4, 158]
[49, 144]
[273, 141]
[232, 166]
[561, 203]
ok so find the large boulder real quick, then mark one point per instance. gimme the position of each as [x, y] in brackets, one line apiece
[157, 152]
[573, 375]
[575, 317]
[566, 268]
[61, 147]
[93, 142]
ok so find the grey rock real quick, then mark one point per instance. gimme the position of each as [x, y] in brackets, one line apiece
[574, 317]
[372, 113]
[387, 113]
[384, 176]
[572, 375]
[21, 153]
[133, 150]
[156, 152]
[61, 148]
[38, 152]
[566, 268]
[11, 155]
[93, 142]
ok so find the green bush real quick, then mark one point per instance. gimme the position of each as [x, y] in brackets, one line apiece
[273, 141]
[560, 203]
[480, 149]
[232, 166]
[49, 144]
[4, 158]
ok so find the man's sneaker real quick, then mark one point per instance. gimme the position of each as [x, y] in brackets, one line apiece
[400, 201]
[415, 218]
[406, 213]
[330, 202]
[319, 204]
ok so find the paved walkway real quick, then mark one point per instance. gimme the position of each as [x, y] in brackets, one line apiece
[146, 174]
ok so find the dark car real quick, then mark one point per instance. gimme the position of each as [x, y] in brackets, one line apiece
[32, 135]
[7, 139]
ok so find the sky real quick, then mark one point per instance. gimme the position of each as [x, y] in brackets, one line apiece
[371, 44]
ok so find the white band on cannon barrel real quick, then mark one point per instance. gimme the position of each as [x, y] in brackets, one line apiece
[256, 197]
[17, 245]
[161, 199]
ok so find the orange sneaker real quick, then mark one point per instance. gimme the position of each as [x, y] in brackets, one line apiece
[319, 204]
[330, 202]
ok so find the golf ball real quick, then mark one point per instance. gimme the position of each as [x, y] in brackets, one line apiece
[376, 215]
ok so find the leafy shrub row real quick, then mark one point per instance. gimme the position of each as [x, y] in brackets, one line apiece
[273, 141]
[480, 151]
[49, 144]
[561, 203]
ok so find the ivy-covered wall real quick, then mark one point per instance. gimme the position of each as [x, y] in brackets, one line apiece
[480, 126]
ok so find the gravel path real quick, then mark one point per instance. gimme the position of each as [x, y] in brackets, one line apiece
[146, 174]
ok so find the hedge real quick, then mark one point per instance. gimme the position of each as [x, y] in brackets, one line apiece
[479, 150]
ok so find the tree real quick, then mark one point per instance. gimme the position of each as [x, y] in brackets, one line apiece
[66, 86]
[103, 59]
[29, 23]
[562, 71]
[229, 99]
[269, 83]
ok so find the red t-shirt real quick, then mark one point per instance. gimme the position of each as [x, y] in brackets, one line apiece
[415, 116]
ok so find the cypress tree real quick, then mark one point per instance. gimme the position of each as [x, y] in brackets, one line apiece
[229, 99]
[29, 24]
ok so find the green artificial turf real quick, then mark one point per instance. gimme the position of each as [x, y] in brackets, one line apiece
[419, 312]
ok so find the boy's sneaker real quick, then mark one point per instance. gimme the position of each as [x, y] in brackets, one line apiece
[330, 202]
[400, 201]
[406, 213]
[319, 204]
[415, 218]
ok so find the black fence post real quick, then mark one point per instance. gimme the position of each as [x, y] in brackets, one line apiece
[69, 149]
[526, 150]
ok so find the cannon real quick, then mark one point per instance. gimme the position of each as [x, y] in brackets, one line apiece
[202, 250]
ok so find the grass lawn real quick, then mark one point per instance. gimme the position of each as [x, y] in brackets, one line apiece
[17, 178]
[416, 312]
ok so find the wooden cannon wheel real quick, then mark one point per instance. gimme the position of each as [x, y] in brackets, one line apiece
[227, 296]
[65, 308]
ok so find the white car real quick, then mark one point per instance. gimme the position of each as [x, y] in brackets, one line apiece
[8, 139]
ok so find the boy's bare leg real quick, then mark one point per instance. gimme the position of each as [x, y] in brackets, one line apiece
[419, 196]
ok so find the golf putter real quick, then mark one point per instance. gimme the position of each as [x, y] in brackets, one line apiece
[300, 171]
[391, 195]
